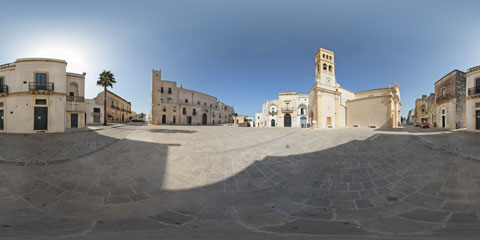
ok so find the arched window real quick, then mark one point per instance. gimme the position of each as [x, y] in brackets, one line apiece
[324, 66]
[330, 68]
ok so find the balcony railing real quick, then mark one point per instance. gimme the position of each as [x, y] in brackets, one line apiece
[287, 109]
[41, 86]
[443, 98]
[75, 99]
[4, 89]
[474, 91]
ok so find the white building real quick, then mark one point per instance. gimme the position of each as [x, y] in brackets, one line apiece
[289, 110]
[472, 114]
[94, 112]
[38, 95]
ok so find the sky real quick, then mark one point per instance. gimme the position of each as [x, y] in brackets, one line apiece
[245, 52]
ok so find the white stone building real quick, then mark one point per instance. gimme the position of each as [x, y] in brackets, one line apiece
[39, 95]
[94, 112]
[289, 110]
[473, 99]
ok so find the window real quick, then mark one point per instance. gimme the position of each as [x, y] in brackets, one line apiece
[174, 109]
[186, 100]
[198, 102]
[194, 112]
[205, 104]
[330, 68]
[210, 105]
[302, 111]
[174, 120]
[184, 111]
[164, 108]
[161, 90]
[71, 94]
[40, 101]
[41, 78]
[96, 110]
[219, 115]
[287, 106]
[113, 103]
[169, 90]
[324, 66]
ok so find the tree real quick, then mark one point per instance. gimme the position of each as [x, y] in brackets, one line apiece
[106, 79]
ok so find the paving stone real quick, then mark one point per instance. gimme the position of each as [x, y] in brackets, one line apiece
[463, 218]
[315, 213]
[316, 227]
[129, 224]
[171, 218]
[426, 215]
[363, 203]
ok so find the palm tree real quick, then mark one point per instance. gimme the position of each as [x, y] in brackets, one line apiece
[106, 79]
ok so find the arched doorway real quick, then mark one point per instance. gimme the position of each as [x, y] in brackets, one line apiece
[272, 123]
[287, 120]
[204, 119]
[164, 119]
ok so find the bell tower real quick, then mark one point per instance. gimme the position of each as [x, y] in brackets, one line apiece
[325, 67]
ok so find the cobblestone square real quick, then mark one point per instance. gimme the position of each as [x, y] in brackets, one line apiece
[190, 182]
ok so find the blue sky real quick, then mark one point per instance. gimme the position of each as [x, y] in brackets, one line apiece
[245, 52]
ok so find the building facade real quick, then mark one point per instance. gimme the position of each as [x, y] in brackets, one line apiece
[472, 112]
[450, 97]
[176, 105]
[289, 110]
[421, 112]
[326, 104]
[38, 95]
[118, 109]
[94, 112]
[377, 108]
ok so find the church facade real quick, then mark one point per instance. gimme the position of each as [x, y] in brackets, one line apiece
[328, 105]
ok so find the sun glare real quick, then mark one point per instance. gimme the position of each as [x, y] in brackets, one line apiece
[76, 62]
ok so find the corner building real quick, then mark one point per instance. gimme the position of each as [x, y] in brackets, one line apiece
[39, 95]
[173, 105]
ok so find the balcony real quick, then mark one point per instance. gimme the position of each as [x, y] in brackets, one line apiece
[3, 90]
[75, 99]
[287, 110]
[474, 91]
[41, 87]
[444, 98]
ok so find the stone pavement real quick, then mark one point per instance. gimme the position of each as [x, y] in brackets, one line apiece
[211, 182]
[48, 149]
